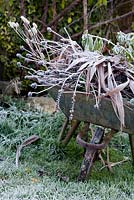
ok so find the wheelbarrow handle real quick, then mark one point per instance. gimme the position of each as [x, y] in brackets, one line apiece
[94, 147]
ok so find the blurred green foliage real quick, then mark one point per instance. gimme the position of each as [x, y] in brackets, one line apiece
[10, 10]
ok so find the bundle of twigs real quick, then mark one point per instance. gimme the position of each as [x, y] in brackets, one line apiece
[72, 67]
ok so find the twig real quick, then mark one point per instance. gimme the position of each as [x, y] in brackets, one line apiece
[110, 164]
[45, 10]
[85, 16]
[54, 15]
[111, 20]
[103, 23]
[22, 8]
[64, 12]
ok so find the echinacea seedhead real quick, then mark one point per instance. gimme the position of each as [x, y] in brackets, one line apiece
[14, 25]
[34, 30]
[34, 85]
[35, 25]
[29, 94]
[18, 55]
[22, 48]
[41, 63]
[25, 20]
[28, 55]
[49, 29]
[132, 101]
[19, 64]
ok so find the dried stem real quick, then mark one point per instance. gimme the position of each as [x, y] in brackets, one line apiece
[131, 13]
[85, 16]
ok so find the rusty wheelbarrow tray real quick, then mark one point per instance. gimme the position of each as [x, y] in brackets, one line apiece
[85, 111]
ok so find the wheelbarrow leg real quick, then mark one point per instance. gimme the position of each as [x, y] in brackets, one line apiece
[92, 149]
[62, 132]
[131, 139]
[84, 131]
[70, 132]
[90, 154]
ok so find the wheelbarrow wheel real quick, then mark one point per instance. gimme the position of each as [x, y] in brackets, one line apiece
[91, 154]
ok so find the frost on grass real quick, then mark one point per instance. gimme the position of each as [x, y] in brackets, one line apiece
[24, 183]
[57, 190]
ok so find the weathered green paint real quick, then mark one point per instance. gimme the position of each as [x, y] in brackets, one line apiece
[85, 110]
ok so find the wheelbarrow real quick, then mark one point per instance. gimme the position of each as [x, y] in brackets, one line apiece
[104, 116]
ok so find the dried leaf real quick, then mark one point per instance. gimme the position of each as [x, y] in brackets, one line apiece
[109, 69]
[118, 107]
[131, 85]
[110, 77]
[92, 71]
[102, 78]
[76, 62]
[28, 141]
[118, 88]
[100, 60]
[117, 100]
[88, 81]
[84, 66]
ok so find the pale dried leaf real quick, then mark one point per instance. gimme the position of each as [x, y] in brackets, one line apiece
[28, 141]
[110, 77]
[99, 84]
[102, 78]
[118, 107]
[92, 71]
[84, 66]
[131, 71]
[76, 62]
[115, 59]
[131, 85]
[88, 81]
[110, 83]
[118, 88]
[109, 69]
[100, 59]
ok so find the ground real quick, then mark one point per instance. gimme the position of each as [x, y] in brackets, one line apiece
[48, 170]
